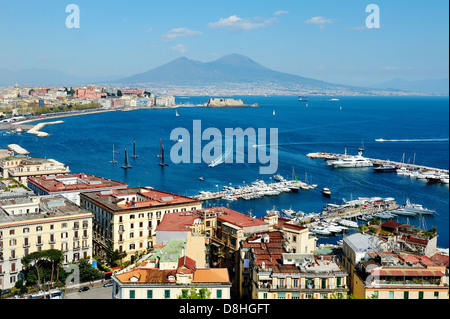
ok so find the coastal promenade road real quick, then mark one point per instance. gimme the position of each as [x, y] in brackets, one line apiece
[93, 293]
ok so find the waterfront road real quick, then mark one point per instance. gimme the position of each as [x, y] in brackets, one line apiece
[93, 293]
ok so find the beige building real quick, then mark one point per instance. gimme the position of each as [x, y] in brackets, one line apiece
[22, 167]
[274, 273]
[298, 238]
[387, 275]
[154, 283]
[29, 224]
[126, 219]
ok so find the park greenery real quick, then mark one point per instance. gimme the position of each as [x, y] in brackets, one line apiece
[31, 108]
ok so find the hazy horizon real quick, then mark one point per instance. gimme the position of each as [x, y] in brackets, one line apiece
[322, 40]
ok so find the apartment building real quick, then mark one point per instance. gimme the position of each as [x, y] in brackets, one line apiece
[277, 274]
[22, 167]
[126, 219]
[391, 275]
[154, 283]
[29, 224]
[298, 238]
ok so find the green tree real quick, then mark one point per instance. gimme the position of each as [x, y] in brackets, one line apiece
[34, 259]
[87, 272]
[193, 293]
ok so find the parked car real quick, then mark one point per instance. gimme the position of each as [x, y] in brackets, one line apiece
[108, 284]
[82, 289]
[6, 291]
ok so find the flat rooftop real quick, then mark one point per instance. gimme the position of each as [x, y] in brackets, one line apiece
[73, 182]
[136, 198]
[50, 207]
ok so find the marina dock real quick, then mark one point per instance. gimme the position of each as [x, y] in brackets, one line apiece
[255, 190]
[378, 162]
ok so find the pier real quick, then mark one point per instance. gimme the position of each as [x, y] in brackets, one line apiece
[378, 162]
[255, 190]
[36, 129]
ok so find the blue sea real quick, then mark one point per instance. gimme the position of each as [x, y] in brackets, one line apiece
[417, 129]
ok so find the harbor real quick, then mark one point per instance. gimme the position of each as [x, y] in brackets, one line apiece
[429, 174]
[335, 220]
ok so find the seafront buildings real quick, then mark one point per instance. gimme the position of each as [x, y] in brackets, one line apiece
[172, 244]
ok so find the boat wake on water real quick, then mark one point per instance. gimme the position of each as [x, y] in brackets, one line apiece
[415, 140]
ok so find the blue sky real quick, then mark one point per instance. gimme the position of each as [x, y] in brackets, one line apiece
[321, 39]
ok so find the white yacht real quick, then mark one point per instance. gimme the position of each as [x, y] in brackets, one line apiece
[352, 161]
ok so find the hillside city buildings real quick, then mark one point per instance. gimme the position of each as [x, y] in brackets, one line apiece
[171, 244]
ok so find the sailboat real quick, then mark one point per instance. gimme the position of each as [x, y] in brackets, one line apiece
[113, 160]
[126, 165]
[162, 164]
[134, 150]
[160, 149]
[273, 112]
[176, 113]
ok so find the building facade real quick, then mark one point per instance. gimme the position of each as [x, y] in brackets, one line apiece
[126, 219]
[277, 274]
[170, 283]
[30, 224]
[22, 167]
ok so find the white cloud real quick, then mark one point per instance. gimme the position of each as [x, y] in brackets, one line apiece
[280, 12]
[178, 33]
[389, 68]
[148, 30]
[180, 48]
[237, 24]
[321, 21]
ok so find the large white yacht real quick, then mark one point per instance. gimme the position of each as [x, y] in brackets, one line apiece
[352, 161]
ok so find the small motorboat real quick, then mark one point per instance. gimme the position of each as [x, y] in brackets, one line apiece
[326, 192]
[201, 178]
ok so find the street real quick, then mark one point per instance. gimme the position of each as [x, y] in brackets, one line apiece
[93, 293]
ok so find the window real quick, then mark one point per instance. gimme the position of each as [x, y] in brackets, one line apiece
[375, 295]
[406, 295]
[324, 283]
[339, 281]
[391, 295]
[281, 283]
[420, 294]
[167, 294]
[149, 294]
[436, 295]
[26, 230]
[265, 295]
[295, 283]
[132, 294]
[131, 216]
[219, 293]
